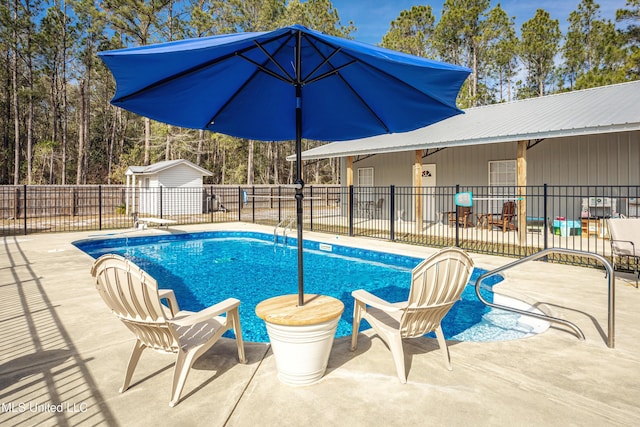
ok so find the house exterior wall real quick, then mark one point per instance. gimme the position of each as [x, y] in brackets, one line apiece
[589, 160]
[609, 159]
[606, 159]
[181, 192]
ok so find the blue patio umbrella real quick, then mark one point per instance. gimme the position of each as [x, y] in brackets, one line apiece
[287, 84]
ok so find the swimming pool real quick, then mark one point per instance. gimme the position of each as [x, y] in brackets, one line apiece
[205, 268]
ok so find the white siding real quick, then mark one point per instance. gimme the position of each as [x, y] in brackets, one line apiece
[180, 176]
[609, 159]
[612, 159]
[181, 192]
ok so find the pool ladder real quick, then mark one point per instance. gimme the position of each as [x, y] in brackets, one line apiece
[285, 224]
[611, 283]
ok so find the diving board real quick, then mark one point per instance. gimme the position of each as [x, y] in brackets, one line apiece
[150, 220]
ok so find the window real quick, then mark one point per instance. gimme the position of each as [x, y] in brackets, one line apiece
[503, 173]
[503, 179]
[365, 177]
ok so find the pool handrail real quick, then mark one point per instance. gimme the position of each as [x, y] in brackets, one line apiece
[289, 222]
[543, 253]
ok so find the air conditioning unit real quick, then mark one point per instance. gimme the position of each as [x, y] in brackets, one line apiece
[600, 202]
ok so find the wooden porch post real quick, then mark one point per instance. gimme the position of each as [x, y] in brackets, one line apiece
[349, 170]
[522, 200]
[417, 184]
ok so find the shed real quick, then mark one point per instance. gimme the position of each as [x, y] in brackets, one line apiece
[170, 187]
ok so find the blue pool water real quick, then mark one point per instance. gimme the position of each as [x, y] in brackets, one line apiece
[205, 268]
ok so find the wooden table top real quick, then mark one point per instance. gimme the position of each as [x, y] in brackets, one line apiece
[284, 310]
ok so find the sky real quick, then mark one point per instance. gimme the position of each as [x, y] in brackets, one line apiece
[372, 17]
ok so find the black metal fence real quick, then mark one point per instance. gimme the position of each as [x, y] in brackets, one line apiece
[509, 221]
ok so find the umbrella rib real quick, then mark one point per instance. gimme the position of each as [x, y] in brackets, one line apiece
[179, 75]
[437, 99]
[265, 70]
[260, 67]
[326, 60]
[191, 70]
[391, 76]
[272, 59]
[337, 73]
[329, 73]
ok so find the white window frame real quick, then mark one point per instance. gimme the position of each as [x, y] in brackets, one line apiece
[502, 182]
[365, 177]
[506, 168]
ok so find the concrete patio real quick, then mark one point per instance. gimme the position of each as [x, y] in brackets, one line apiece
[63, 356]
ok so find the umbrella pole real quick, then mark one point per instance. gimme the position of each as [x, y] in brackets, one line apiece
[299, 182]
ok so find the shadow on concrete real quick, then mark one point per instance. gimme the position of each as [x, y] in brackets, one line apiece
[41, 359]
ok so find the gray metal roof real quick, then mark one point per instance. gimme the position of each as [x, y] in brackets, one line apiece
[605, 109]
[163, 165]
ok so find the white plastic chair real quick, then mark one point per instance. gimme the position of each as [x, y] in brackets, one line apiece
[436, 284]
[133, 296]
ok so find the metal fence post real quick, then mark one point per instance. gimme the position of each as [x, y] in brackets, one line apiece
[311, 207]
[545, 218]
[350, 210]
[100, 207]
[240, 203]
[279, 204]
[455, 208]
[160, 200]
[392, 210]
[253, 204]
[210, 203]
[24, 205]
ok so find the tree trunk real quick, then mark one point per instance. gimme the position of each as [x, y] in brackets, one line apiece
[167, 145]
[335, 167]
[81, 135]
[541, 84]
[224, 165]
[63, 113]
[250, 163]
[5, 149]
[16, 110]
[51, 166]
[65, 119]
[54, 119]
[474, 78]
[31, 112]
[200, 144]
[147, 140]
[122, 128]
[112, 143]
[87, 125]
[276, 163]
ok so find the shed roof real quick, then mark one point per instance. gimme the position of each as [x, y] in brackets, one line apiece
[164, 165]
[605, 109]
